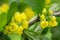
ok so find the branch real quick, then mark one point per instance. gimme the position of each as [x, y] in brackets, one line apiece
[36, 18]
[57, 14]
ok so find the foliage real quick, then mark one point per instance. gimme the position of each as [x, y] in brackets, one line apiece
[16, 16]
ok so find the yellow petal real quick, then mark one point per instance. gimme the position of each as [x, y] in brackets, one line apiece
[7, 30]
[23, 16]
[25, 24]
[42, 17]
[53, 23]
[13, 26]
[43, 24]
[19, 30]
[53, 18]
[17, 17]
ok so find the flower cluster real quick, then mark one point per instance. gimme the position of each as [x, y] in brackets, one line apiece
[4, 8]
[47, 19]
[17, 25]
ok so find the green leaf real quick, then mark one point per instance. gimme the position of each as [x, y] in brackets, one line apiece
[33, 27]
[56, 31]
[58, 20]
[36, 28]
[4, 1]
[36, 5]
[44, 38]
[12, 10]
[14, 37]
[48, 34]
[32, 35]
[4, 37]
[1, 29]
[21, 7]
[10, 1]
[3, 20]
[23, 37]
[44, 31]
[57, 2]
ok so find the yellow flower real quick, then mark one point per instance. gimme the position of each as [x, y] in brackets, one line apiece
[44, 11]
[43, 24]
[47, 2]
[17, 17]
[13, 26]
[19, 30]
[23, 16]
[25, 24]
[50, 12]
[53, 18]
[29, 13]
[53, 23]
[7, 30]
[4, 8]
[42, 17]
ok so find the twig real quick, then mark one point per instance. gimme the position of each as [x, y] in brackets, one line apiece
[36, 18]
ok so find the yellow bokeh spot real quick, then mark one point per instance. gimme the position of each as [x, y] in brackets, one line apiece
[29, 13]
[4, 8]
[44, 11]
[47, 2]
[50, 12]
[43, 24]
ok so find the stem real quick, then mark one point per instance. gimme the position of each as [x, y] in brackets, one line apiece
[50, 32]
